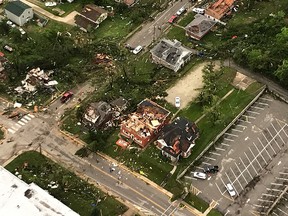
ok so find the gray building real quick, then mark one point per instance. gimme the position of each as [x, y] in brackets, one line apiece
[170, 54]
[18, 12]
[199, 27]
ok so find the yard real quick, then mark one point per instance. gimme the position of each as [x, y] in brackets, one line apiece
[79, 195]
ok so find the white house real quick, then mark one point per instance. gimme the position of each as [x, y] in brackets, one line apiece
[18, 12]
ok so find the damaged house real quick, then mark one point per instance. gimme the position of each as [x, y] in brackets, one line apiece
[219, 8]
[102, 114]
[35, 78]
[170, 54]
[143, 125]
[177, 139]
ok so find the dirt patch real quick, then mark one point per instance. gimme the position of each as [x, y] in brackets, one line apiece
[241, 81]
[188, 88]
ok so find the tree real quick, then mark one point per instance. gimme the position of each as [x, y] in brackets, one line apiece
[282, 72]
[213, 111]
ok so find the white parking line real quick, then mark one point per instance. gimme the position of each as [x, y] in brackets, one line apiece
[251, 163]
[247, 117]
[268, 141]
[219, 189]
[214, 153]
[243, 126]
[236, 176]
[256, 159]
[267, 99]
[276, 131]
[260, 153]
[265, 149]
[209, 158]
[237, 130]
[220, 149]
[27, 117]
[243, 120]
[275, 139]
[229, 134]
[30, 115]
[273, 189]
[225, 144]
[277, 120]
[11, 131]
[283, 179]
[14, 128]
[198, 167]
[19, 122]
[253, 112]
[282, 211]
[265, 200]
[18, 125]
[257, 107]
[277, 184]
[228, 139]
[247, 169]
[265, 104]
[24, 120]
[260, 206]
[270, 195]
[206, 163]
[283, 173]
[233, 183]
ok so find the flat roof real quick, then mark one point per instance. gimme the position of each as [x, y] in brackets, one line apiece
[20, 198]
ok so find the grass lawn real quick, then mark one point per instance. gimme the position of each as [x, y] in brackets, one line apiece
[186, 19]
[196, 202]
[214, 212]
[72, 191]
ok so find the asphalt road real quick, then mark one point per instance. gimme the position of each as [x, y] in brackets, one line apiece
[152, 30]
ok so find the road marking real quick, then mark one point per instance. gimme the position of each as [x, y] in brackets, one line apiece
[11, 131]
[13, 128]
[220, 149]
[244, 121]
[265, 104]
[229, 134]
[209, 158]
[27, 117]
[256, 159]
[219, 189]
[21, 123]
[268, 141]
[251, 163]
[228, 139]
[225, 144]
[214, 153]
[18, 125]
[30, 115]
[24, 120]
[246, 116]
[206, 163]
[256, 107]
[241, 126]
[266, 99]
[253, 112]
[237, 130]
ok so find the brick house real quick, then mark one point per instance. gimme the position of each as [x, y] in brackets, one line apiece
[219, 8]
[144, 125]
[177, 139]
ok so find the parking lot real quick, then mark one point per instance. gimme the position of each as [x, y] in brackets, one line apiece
[245, 154]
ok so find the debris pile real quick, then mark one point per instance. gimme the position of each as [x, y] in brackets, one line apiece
[35, 78]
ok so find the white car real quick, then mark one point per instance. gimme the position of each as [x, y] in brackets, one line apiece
[200, 175]
[22, 31]
[177, 102]
[11, 24]
[137, 49]
[180, 11]
[198, 10]
[50, 4]
[230, 190]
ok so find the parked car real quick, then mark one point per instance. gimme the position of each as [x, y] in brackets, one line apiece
[66, 96]
[137, 49]
[172, 19]
[177, 102]
[200, 175]
[8, 48]
[180, 11]
[199, 10]
[22, 31]
[230, 189]
[50, 4]
[11, 24]
[211, 169]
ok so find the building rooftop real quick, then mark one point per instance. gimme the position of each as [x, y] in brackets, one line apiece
[179, 136]
[92, 12]
[98, 112]
[148, 117]
[171, 52]
[200, 25]
[219, 8]
[19, 198]
[16, 7]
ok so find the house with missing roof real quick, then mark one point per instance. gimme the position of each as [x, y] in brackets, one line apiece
[170, 54]
[177, 139]
[18, 12]
[143, 125]
[219, 8]
[90, 17]
[199, 27]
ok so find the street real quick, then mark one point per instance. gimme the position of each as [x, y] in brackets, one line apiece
[152, 30]
[40, 132]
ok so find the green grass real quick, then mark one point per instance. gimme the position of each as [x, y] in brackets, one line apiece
[186, 19]
[72, 191]
[214, 212]
[196, 202]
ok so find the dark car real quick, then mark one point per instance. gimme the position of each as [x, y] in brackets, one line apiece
[211, 169]
[66, 96]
